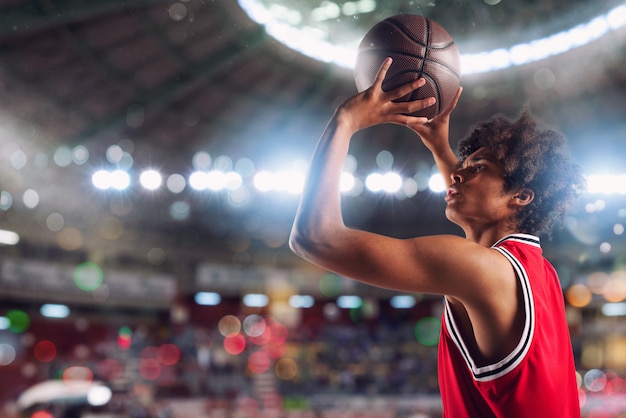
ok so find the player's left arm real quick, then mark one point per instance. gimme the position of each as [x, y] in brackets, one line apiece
[435, 136]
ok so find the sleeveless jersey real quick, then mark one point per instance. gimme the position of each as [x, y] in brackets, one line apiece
[537, 379]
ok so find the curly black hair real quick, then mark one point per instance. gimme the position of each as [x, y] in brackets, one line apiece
[532, 158]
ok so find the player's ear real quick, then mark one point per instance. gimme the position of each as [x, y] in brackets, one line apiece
[523, 196]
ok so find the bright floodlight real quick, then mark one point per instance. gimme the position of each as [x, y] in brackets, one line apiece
[617, 17]
[199, 180]
[8, 237]
[392, 182]
[232, 180]
[374, 182]
[282, 181]
[120, 179]
[101, 179]
[150, 179]
[263, 181]
[606, 184]
[216, 180]
[285, 25]
[436, 183]
[389, 182]
[346, 182]
[288, 181]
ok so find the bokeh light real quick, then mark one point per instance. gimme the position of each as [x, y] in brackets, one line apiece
[149, 368]
[54, 310]
[229, 325]
[168, 354]
[254, 325]
[286, 368]
[349, 302]
[331, 312]
[402, 301]
[614, 289]
[45, 351]
[41, 414]
[7, 354]
[258, 362]
[77, 376]
[301, 301]
[596, 282]
[19, 320]
[70, 239]
[30, 198]
[207, 298]
[437, 183]
[150, 179]
[235, 344]
[124, 338]
[109, 369]
[594, 380]
[255, 300]
[176, 183]
[149, 352]
[578, 295]
[330, 285]
[88, 276]
[6, 200]
[427, 331]
[99, 395]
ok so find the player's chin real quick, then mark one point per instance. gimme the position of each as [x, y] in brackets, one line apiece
[451, 213]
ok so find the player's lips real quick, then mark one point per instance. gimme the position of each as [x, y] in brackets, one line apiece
[451, 193]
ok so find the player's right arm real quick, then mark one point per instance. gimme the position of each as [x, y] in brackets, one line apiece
[320, 235]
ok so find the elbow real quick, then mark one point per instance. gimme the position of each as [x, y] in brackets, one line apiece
[307, 245]
[298, 242]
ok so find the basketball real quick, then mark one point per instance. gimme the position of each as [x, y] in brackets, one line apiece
[420, 47]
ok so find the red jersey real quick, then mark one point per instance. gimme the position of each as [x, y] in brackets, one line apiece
[537, 379]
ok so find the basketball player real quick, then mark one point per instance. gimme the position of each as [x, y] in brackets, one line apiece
[504, 348]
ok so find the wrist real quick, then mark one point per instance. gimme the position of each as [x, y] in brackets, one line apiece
[346, 121]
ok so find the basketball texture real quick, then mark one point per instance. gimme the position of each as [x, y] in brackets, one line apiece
[420, 47]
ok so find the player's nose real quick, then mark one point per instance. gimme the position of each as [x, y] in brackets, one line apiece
[457, 176]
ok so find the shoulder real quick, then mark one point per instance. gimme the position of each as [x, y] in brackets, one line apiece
[462, 268]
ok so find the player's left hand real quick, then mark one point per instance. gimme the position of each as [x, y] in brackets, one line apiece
[434, 133]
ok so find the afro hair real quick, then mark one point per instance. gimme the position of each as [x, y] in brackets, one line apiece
[531, 158]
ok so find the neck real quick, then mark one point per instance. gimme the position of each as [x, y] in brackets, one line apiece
[487, 237]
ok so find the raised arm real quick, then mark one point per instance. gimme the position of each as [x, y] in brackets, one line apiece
[320, 236]
[435, 135]
[319, 214]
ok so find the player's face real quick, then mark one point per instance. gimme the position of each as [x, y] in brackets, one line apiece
[476, 198]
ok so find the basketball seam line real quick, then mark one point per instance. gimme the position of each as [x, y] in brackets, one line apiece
[404, 30]
[452, 70]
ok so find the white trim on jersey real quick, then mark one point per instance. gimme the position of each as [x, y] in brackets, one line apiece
[523, 238]
[515, 357]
